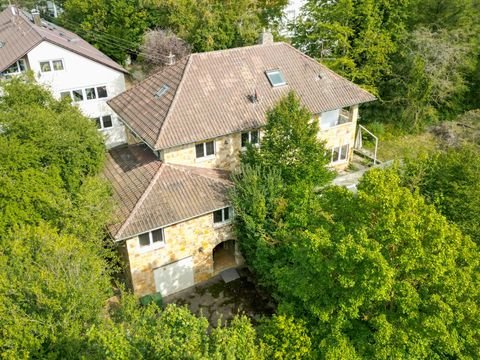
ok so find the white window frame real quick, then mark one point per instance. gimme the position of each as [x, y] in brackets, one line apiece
[50, 63]
[102, 126]
[269, 73]
[249, 141]
[339, 160]
[84, 93]
[152, 245]
[205, 156]
[17, 64]
[224, 221]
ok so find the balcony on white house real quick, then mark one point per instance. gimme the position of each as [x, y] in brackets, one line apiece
[330, 119]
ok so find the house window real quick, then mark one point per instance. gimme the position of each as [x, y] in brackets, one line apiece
[16, 68]
[66, 94]
[77, 95]
[45, 66]
[102, 92]
[55, 65]
[103, 122]
[155, 237]
[275, 77]
[223, 216]
[250, 137]
[339, 153]
[206, 149]
[90, 93]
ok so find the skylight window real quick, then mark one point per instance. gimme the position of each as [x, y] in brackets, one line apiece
[276, 78]
[162, 91]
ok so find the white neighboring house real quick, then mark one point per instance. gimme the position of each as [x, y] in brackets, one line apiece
[66, 64]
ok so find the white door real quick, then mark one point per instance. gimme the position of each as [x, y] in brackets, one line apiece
[174, 277]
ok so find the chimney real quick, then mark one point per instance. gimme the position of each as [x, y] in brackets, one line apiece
[170, 60]
[36, 17]
[266, 38]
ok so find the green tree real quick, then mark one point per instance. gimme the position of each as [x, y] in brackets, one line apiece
[354, 38]
[52, 289]
[449, 180]
[115, 27]
[291, 146]
[380, 274]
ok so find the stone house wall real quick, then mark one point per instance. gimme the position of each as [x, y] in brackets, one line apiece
[341, 135]
[227, 149]
[195, 237]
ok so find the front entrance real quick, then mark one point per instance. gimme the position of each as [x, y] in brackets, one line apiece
[224, 256]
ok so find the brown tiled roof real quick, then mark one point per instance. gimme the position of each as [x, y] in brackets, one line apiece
[210, 94]
[151, 194]
[19, 35]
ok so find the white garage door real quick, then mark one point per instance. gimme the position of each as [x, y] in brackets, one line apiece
[174, 277]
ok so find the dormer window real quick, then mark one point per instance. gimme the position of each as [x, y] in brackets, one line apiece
[275, 77]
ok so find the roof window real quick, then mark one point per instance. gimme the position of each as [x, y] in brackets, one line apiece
[162, 91]
[275, 77]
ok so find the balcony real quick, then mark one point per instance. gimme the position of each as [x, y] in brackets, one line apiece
[331, 119]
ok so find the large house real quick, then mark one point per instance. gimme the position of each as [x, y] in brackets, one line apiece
[190, 121]
[66, 64]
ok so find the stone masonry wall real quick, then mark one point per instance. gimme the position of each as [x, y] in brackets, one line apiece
[227, 149]
[196, 237]
[341, 135]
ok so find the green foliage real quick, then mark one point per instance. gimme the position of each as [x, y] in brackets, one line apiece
[290, 145]
[52, 288]
[50, 153]
[380, 274]
[173, 333]
[355, 38]
[449, 180]
[214, 24]
[53, 207]
[285, 338]
[115, 27]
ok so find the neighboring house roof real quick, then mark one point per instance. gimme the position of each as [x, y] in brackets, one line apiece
[19, 35]
[210, 94]
[152, 194]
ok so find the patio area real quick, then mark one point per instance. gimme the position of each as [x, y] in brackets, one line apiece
[220, 301]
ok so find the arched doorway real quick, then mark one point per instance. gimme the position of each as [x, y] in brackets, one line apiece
[224, 256]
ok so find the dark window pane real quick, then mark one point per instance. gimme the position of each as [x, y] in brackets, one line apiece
[210, 148]
[144, 239]
[254, 137]
[21, 65]
[102, 91]
[107, 121]
[226, 214]
[336, 151]
[157, 235]
[57, 65]
[244, 139]
[45, 66]
[217, 216]
[66, 94]
[77, 95]
[90, 93]
[199, 150]
[344, 152]
[97, 121]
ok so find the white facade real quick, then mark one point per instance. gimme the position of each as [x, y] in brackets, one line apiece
[81, 75]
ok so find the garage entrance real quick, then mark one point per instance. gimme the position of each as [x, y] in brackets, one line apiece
[174, 277]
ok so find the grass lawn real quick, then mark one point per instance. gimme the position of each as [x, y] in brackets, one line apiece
[393, 145]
